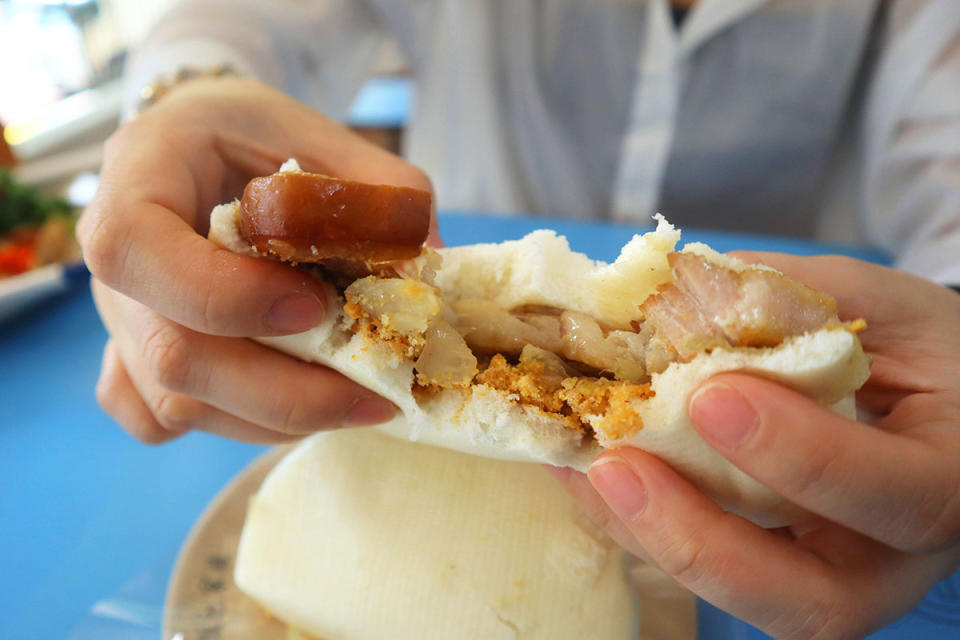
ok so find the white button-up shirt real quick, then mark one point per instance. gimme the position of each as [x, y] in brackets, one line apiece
[837, 119]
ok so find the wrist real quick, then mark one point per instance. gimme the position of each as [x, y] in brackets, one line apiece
[152, 93]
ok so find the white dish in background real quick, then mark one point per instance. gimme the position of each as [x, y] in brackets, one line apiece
[204, 602]
[21, 291]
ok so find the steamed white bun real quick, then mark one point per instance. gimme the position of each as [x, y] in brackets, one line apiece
[358, 535]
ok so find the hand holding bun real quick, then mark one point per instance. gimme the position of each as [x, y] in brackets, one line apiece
[177, 308]
[882, 522]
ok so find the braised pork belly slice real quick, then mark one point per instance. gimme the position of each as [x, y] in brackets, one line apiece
[708, 305]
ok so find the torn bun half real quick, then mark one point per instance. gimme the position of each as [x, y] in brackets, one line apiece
[527, 350]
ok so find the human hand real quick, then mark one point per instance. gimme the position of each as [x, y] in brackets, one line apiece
[178, 308]
[884, 512]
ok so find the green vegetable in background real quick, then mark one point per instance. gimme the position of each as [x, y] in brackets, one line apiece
[22, 204]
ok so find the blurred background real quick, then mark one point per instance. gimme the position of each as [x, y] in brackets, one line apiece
[60, 68]
[61, 64]
[60, 86]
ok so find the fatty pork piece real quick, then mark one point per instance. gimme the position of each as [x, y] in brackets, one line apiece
[708, 305]
[571, 335]
[705, 306]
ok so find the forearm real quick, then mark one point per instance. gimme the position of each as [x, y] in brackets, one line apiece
[318, 52]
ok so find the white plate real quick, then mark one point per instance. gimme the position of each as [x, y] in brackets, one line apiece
[203, 601]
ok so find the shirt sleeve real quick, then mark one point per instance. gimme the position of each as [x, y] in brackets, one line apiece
[912, 140]
[317, 51]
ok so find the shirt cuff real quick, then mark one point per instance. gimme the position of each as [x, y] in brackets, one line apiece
[149, 66]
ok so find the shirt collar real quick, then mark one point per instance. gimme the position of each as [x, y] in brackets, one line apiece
[709, 17]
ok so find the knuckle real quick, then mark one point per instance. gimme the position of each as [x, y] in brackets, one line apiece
[121, 404]
[167, 353]
[217, 312]
[106, 392]
[99, 231]
[683, 559]
[95, 236]
[141, 429]
[807, 481]
[299, 417]
[148, 433]
[174, 412]
[300, 410]
[103, 242]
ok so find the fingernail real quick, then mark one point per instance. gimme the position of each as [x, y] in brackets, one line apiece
[296, 312]
[723, 415]
[619, 486]
[367, 411]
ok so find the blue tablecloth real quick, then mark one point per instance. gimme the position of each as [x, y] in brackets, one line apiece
[84, 509]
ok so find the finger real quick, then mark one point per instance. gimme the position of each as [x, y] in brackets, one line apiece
[830, 583]
[860, 292]
[154, 414]
[715, 554]
[820, 272]
[254, 382]
[136, 238]
[172, 415]
[578, 486]
[863, 291]
[899, 490]
[120, 400]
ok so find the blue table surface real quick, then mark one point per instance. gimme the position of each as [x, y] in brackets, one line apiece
[383, 102]
[84, 509]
